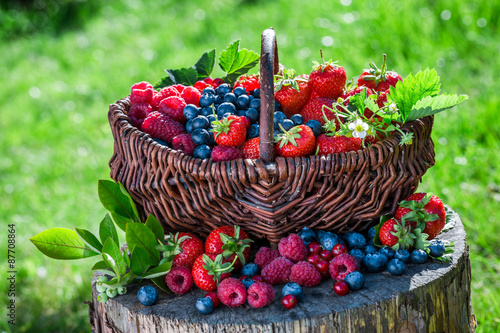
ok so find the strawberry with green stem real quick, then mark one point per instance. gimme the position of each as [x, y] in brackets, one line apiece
[327, 78]
[231, 242]
[297, 142]
[379, 79]
[210, 269]
[230, 131]
[181, 249]
[291, 92]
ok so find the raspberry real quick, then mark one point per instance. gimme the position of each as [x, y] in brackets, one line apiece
[184, 143]
[293, 248]
[200, 85]
[179, 280]
[141, 92]
[161, 95]
[179, 87]
[226, 153]
[277, 271]
[264, 256]
[304, 274]
[232, 292]
[191, 95]
[162, 127]
[173, 107]
[342, 265]
[260, 294]
[138, 112]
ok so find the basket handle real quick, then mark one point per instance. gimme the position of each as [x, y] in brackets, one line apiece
[269, 66]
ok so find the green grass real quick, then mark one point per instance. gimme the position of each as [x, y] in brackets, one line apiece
[55, 140]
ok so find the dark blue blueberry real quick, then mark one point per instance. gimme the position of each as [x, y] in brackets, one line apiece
[162, 142]
[292, 288]
[278, 117]
[219, 100]
[239, 91]
[247, 282]
[371, 232]
[250, 269]
[206, 111]
[204, 305]
[202, 152]
[402, 255]
[241, 113]
[436, 248]
[147, 295]
[223, 89]
[387, 251]
[256, 93]
[370, 249]
[355, 280]
[253, 131]
[252, 114]
[206, 100]
[243, 101]
[328, 240]
[250, 98]
[375, 262]
[277, 105]
[227, 114]
[277, 130]
[210, 118]
[287, 124]
[230, 98]
[200, 136]
[354, 240]
[189, 126]
[211, 140]
[419, 256]
[255, 103]
[307, 235]
[358, 253]
[225, 108]
[297, 119]
[190, 111]
[209, 90]
[315, 126]
[396, 267]
[200, 122]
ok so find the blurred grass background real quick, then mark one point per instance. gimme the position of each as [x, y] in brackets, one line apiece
[63, 62]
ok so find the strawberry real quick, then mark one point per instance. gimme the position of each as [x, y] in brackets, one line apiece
[230, 241]
[209, 270]
[313, 110]
[162, 126]
[298, 141]
[326, 144]
[395, 234]
[251, 148]
[379, 79]
[327, 79]
[292, 93]
[182, 249]
[424, 211]
[230, 131]
[249, 82]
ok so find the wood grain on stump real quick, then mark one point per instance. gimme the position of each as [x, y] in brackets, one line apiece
[433, 297]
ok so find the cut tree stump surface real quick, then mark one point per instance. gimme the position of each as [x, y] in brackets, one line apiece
[432, 297]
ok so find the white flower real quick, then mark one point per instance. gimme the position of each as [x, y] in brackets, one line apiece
[393, 107]
[359, 128]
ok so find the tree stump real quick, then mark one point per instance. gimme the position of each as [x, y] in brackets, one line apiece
[432, 297]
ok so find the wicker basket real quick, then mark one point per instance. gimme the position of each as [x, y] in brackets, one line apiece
[337, 192]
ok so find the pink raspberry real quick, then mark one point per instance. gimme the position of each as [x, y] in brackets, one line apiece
[179, 87]
[342, 265]
[191, 95]
[162, 127]
[226, 153]
[264, 256]
[179, 280]
[173, 107]
[184, 143]
[141, 92]
[138, 112]
[277, 271]
[293, 248]
[232, 292]
[260, 294]
[305, 274]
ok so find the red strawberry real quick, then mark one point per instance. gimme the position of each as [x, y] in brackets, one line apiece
[393, 234]
[358, 90]
[141, 92]
[206, 264]
[379, 79]
[162, 127]
[225, 153]
[336, 144]
[185, 248]
[382, 98]
[251, 148]
[420, 208]
[313, 110]
[173, 107]
[249, 82]
[327, 79]
[292, 94]
[229, 241]
[298, 141]
[230, 131]
[184, 143]
[191, 95]
[232, 292]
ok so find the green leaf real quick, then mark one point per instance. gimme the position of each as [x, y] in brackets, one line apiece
[205, 65]
[157, 271]
[160, 284]
[132, 203]
[186, 76]
[138, 235]
[431, 105]
[100, 265]
[107, 230]
[126, 258]
[113, 257]
[120, 221]
[115, 201]
[140, 261]
[89, 239]
[62, 243]
[164, 82]
[236, 62]
[154, 225]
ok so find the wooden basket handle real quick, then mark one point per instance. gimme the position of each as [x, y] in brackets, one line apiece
[269, 66]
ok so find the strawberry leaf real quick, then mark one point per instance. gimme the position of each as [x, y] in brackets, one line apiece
[186, 76]
[236, 62]
[431, 105]
[205, 65]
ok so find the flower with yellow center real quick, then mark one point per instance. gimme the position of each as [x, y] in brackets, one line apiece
[358, 128]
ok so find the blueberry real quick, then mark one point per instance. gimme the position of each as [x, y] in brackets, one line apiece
[328, 240]
[355, 280]
[191, 111]
[223, 89]
[147, 295]
[292, 288]
[209, 90]
[315, 126]
[375, 262]
[250, 269]
[396, 266]
[206, 111]
[241, 113]
[358, 253]
[206, 100]
[189, 126]
[211, 140]
[240, 91]
[247, 282]
[256, 93]
[204, 305]
[419, 256]
[402, 255]
[255, 103]
[277, 105]
[200, 122]
[371, 233]
[277, 130]
[387, 251]
[370, 249]
[230, 98]
[250, 98]
[252, 114]
[436, 248]
[210, 118]
[307, 235]
[287, 124]
[253, 131]
[200, 136]
[219, 100]
[278, 117]
[354, 240]
[227, 114]
[202, 152]
[243, 101]
[226, 108]
[297, 119]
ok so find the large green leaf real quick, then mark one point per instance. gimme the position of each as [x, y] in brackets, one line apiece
[186, 76]
[137, 218]
[138, 235]
[113, 257]
[158, 271]
[154, 225]
[107, 230]
[140, 261]
[237, 62]
[89, 239]
[114, 200]
[62, 243]
[160, 284]
[205, 65]
[431, 105]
